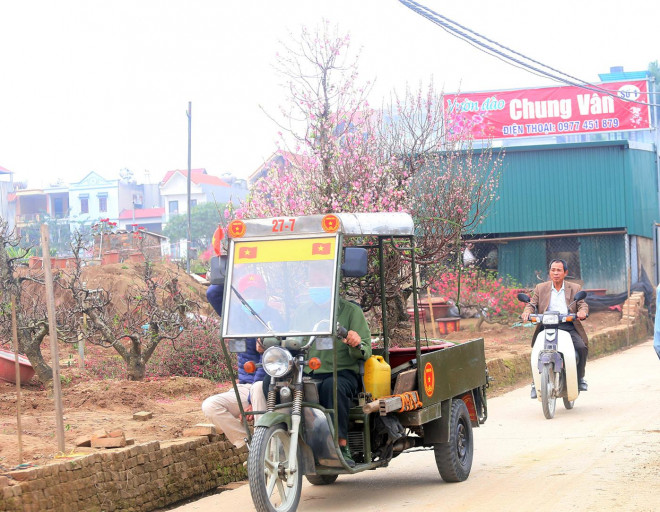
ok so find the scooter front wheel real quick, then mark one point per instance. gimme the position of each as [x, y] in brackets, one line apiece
[272, 489]
[568, 403]
[548, 396]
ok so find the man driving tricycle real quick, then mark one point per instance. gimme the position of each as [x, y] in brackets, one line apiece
[316, 424]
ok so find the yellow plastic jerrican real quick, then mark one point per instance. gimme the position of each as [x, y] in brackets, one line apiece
[377, 377]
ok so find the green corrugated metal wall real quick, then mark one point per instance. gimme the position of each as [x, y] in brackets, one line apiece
[575, 187]
[641, 192]
[522, 260]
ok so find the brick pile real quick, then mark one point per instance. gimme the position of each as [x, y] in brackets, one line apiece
[136, 478]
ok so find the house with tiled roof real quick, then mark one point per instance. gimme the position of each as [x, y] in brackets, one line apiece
[279, 159]
[150, 219]
[204, 188]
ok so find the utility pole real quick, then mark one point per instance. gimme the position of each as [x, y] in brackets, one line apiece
[189, 241]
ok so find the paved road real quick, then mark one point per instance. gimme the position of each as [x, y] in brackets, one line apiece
[603, 455]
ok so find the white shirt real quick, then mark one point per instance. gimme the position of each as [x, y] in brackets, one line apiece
[558, 300]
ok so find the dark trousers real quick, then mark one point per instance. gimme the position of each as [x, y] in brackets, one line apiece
[347, 389]
[580, 348]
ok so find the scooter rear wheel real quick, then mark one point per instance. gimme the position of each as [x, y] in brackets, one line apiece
[548, 398]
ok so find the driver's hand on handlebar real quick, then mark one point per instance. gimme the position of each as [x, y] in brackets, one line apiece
[260, 346]
[581, 315]
[525, 316]
[352, 339]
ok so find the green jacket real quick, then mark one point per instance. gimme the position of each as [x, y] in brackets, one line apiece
[350, 316]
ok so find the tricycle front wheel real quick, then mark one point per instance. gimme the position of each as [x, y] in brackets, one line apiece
[272, 490]
[454, 459]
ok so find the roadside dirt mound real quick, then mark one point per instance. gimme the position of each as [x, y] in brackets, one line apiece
[119, 279]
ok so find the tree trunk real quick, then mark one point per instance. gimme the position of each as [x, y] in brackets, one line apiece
[136, 369]
[136, 366]
[32, 351]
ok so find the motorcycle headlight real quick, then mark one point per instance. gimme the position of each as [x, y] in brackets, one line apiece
[277, 362]
[552, 319]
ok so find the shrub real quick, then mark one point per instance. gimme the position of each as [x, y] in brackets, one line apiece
[494, 300]
[104, 364]
[196, 353]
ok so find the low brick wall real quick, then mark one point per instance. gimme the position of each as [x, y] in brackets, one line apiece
[633, 328]
[138, 478]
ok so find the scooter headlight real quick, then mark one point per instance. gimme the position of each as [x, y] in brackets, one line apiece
[550, 319]
[277, 362]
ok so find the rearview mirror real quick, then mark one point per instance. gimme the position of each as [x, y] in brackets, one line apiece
[218, 270]
[580, 295]
[355, 262]
[523, 297]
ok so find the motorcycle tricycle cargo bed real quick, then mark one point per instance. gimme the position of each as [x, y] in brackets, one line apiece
[452, 371]
[401, 355]
[445, 374]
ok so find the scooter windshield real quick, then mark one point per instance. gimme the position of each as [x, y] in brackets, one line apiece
[281, 287]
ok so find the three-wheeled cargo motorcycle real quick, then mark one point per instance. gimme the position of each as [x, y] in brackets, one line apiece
[437, 390]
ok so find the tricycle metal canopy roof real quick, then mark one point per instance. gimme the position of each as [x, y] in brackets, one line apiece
[348, 224]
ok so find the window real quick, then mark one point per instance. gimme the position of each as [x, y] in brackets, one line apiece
[193, 203]
[84, 205]
[103, 204]
[58, 207]
[174, 207]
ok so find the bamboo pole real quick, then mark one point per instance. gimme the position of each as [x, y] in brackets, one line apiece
[428, 294]
[19, 427]
[52, 334]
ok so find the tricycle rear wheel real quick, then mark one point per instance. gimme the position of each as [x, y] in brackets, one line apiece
[454, 459]
[321, 479]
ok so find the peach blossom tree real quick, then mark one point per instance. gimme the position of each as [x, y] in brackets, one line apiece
[353, 158]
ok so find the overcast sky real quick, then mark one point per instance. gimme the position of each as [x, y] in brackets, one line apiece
[101, 85]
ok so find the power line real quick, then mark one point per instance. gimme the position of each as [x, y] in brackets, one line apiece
[463, 33]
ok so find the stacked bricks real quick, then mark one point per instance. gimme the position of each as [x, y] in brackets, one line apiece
[633, 328]
[136, 478]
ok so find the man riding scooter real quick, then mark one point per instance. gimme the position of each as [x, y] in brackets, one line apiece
[556, 295]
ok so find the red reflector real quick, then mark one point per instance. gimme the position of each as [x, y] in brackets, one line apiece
[314, 363]
[250, 367]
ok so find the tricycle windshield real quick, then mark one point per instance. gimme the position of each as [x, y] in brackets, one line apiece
[280, 287]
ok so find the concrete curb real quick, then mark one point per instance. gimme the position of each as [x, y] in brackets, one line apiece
[633, 328]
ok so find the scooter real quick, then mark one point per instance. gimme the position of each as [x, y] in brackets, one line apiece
[554, 360]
